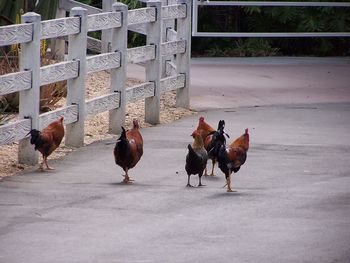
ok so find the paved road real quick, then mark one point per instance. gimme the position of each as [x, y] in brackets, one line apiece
[236, 82]
[292, 204]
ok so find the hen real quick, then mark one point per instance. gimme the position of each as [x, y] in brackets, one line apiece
[47, 140]
[129, 149]
[204, 129]
[196, 159]
[232, 157]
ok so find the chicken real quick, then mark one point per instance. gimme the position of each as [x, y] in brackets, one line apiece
[47, 140]
[215, 140]
[209, 145]
[129, 149]
[204, 129]
[196, 159]
[232, 157]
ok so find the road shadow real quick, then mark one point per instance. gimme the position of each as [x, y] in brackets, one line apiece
[225, 194]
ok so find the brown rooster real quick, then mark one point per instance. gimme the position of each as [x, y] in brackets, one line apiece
[205, 131]
[47, 140]
[232, 157]
[196, 159]
[128, 149]
[204, 128]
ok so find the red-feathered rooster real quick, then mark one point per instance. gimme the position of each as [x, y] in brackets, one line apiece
[196, 159]
[47, 140]
[128, 149]
[232, 157]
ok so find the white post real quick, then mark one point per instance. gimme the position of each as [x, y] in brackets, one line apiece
[29, 100]
[183, 60]
[167, 24]
[118, 75]
[58, 46]
[106, 34]
[153, 68]
[76, 87]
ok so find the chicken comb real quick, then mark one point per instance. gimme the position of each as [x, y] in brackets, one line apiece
[194, 133]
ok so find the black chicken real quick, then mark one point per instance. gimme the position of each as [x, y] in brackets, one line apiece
[196, 159]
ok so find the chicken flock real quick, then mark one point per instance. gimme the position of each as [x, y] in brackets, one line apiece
[208, 143]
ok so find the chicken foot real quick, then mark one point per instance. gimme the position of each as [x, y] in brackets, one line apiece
[127, 179]
[188, 182]
[200, 181]
[228, 183]
[44, 162]
[47, 165]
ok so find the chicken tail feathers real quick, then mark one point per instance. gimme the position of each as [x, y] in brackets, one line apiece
[122, 135]
[122, 147]
[36, 138]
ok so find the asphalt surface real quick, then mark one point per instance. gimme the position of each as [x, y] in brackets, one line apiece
[292, 202]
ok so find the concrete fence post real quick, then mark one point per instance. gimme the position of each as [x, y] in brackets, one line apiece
[183, 60]
[166, 25]
[59, 45]
[153, 68]
[29, 100]
[119, 43]
[106, 35]
[77, 44]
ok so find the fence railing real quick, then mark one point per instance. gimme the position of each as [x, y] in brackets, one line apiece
[114, 57]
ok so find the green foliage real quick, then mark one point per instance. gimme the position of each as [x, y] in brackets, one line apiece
[273, 19]
[237, 48]
[134, 39]
[10, 10]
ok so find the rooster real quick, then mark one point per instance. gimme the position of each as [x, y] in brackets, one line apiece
[196, 159]
[128, 149]
[47, 140]
[232, 157]
[210, 141]
[204, 128]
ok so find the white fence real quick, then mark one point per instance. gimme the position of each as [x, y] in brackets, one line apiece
[115, 23]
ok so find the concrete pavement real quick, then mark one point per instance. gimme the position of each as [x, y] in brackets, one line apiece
[292, 204]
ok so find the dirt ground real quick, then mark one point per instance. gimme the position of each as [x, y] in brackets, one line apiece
[96, 128]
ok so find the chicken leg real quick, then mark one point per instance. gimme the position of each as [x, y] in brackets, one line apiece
[200, 181]
[47, 166]
[44, 162]
[127, 179]
[212, 170]
[228, 183]
[188, 181]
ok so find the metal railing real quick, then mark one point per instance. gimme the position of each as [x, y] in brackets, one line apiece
[196, 4]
